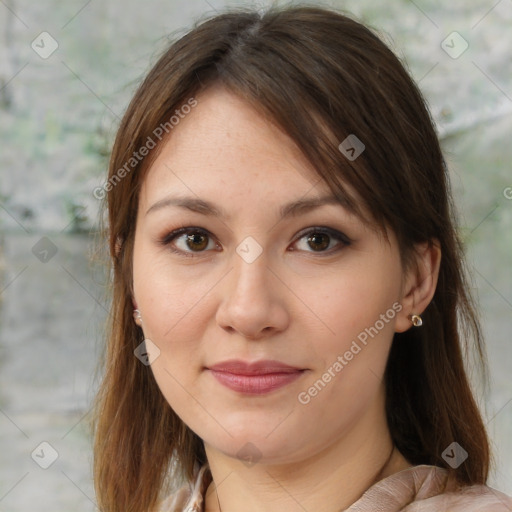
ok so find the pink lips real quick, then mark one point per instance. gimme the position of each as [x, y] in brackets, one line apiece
[254, 378]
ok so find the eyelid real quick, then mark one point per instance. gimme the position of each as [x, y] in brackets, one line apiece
[167, 240]
[334, 233]
[175, 233]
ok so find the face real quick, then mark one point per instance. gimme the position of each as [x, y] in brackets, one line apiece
[239, 254]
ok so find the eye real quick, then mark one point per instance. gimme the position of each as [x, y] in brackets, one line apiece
[189, 240]
[322, 239]
[186, 241]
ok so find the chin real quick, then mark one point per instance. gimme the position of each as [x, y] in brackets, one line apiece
[252, 447]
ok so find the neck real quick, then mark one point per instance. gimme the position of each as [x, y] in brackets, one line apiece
[329, 481]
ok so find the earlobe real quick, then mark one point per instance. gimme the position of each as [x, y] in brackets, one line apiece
[118, 246]
[137, 317]
[419, 285]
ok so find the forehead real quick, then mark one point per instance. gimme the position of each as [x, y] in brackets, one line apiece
[225, 143]
[227, 153]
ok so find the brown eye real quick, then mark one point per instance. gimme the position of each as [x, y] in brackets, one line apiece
[189, 240]
[322, 240]
[197, 241]
[319, 241]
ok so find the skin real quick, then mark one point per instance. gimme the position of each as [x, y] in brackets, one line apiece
[294, 303]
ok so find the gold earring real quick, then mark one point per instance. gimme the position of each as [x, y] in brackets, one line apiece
[416, 320]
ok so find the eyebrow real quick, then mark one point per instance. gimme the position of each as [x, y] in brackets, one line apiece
[295, 208]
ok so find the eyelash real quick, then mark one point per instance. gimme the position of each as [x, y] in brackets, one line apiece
[167, 240]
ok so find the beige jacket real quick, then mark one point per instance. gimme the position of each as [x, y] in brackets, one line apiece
[417, 489]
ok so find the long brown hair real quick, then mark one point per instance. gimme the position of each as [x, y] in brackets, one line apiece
[320, 76]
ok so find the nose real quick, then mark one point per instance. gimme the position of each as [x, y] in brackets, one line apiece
[253, 303]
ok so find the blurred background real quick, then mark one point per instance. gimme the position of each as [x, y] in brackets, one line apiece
[67, 72]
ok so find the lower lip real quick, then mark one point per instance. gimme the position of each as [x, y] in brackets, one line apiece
[255, 384]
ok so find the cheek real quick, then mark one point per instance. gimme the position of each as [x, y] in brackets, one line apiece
[174, 314]
[171, 301]
[359, 313]
[358, 301]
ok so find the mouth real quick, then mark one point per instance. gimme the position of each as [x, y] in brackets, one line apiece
[254, 378]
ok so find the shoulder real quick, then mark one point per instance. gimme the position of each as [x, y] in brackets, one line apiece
[189, 497]
[176, 502]
[417, 489]
[429, 489]
[476, 498]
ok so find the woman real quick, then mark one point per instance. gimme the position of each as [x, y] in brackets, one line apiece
[283, 241]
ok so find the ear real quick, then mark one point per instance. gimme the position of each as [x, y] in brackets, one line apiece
[419, 283]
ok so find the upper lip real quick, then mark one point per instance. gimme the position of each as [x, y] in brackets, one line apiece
[267, 366]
